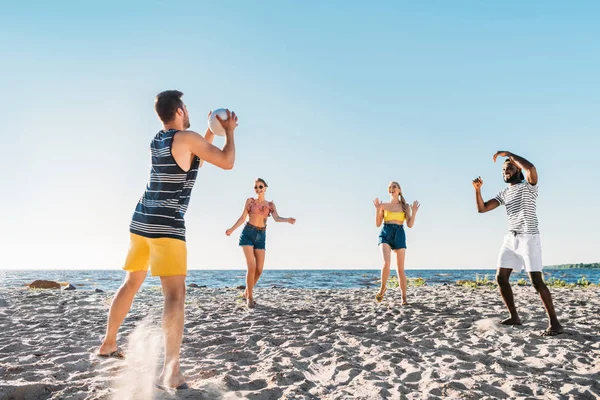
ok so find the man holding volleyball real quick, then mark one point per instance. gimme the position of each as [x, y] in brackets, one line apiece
[157, 229]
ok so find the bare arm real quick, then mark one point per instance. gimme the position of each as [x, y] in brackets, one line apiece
[379, 214]
[240, 220]
[209, 137]
[204, 150]
[483, 207]
[531, 174]
[277, 218]
[412, 211]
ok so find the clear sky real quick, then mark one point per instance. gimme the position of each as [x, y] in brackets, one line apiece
[334, 100]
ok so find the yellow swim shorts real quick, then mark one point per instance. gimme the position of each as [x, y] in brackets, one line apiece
[165, 256]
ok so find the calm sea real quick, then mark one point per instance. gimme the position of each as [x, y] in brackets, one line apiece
[309, 279]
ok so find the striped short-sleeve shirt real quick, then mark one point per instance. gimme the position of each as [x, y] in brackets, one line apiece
[520, 201]
[160, 211]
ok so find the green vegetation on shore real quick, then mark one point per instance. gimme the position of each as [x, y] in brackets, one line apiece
[552, 282]
[411, 282]
[571, 266]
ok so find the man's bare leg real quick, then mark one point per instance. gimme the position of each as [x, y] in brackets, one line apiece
[503, 279]
[119, 308]
[173, 317]
[554, 327]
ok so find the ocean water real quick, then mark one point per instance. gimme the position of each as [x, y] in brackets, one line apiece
[308, 279]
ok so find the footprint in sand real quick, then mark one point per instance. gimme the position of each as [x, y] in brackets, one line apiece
[412, 377]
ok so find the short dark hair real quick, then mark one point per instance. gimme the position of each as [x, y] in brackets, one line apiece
[167, 103]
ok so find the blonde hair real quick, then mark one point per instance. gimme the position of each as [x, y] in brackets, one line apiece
[405, 206]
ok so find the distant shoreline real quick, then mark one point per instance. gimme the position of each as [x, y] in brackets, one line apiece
[574, 266]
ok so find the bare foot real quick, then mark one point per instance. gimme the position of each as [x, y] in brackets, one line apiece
[175, 381]
[110, 350]
[250, 303]
[379, 295]
[553, 330]
[511, 321]
[404, 302]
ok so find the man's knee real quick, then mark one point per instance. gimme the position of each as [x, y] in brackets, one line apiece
[175, 296]
[502, 279]
[174, 291]
[538, 283]
[134, 280]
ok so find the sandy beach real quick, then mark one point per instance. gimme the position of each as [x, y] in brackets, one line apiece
[305, 344]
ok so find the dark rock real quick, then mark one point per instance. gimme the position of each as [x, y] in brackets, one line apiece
[41, 284]
[241, 287]
[193, 285]
[99, 290]
[69, 287]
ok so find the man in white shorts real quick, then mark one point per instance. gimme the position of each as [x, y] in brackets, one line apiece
[521, 247]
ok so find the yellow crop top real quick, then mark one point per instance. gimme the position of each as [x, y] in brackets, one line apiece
[393, 216]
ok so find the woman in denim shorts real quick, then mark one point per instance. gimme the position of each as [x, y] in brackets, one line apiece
[392, 236]
[254, 235]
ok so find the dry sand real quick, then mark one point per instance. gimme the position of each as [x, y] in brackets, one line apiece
[305, 344]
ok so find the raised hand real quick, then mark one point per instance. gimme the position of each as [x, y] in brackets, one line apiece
[415, 207]
[501, 154]
[378, 204]
[291, 220]
[228, 232]
[230, 123]
[477, 182]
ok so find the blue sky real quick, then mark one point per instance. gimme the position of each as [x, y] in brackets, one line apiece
[335, 100]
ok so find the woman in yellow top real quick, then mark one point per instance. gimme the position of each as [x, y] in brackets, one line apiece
[392, 236]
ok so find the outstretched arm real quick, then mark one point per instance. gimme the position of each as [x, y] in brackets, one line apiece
[482, 206]
[530, 172]
[277, 218]
[240, 220]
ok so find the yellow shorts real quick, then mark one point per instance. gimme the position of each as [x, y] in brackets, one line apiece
[165, 256]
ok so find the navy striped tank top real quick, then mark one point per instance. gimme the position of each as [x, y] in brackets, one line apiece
[160, 211]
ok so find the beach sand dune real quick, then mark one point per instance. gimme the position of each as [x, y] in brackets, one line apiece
[305, 344]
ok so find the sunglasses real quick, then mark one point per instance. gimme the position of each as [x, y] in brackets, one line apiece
[259, 187]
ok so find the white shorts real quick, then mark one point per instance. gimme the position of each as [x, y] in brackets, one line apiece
[521, 250]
